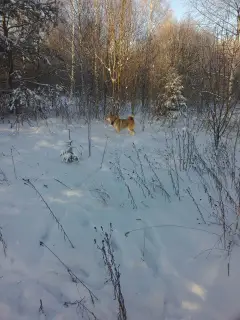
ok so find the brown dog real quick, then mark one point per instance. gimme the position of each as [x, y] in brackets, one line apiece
[120, 124]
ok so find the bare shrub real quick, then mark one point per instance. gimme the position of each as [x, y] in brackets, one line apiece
[113, 270]
[220, 179]
[116, 167]
[80, 304]
[101, 194]
[3, 177]
[220, 96]
[155, 180]
[136, 173]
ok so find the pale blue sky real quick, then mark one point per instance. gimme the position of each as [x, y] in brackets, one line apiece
[179, 7]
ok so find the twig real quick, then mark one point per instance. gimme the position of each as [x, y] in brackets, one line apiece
[144, 244]
[120, 176]
[62, 184]
[144, 240]
[104, 151]
[207, 250]
[30, 184]
[3, 243]
[16, 150]
[170, 226]
[80, 306]
[140, 162]
[89, 131]
[195, 202]
[130, 195]
[41, 309]
[74, 278]
[14, 168]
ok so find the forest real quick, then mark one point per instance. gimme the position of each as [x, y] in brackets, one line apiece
[109, 54]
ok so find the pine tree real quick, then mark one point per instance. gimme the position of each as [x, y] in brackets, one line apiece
[172, 98]
[68, 155]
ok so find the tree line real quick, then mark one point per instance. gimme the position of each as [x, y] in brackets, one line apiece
[113, 53]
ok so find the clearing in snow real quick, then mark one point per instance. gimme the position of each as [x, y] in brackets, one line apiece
[173, 262]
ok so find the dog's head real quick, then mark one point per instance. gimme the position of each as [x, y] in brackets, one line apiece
[110, 119]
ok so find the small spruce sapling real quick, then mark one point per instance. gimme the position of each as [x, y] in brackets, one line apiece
[171, 101]
[68, 155]
[172, 97]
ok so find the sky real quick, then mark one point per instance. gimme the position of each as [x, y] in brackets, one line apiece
[179, 7]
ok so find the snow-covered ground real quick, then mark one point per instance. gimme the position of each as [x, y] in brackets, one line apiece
[167, 270]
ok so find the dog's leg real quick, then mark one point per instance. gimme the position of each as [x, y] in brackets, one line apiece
[132, 132]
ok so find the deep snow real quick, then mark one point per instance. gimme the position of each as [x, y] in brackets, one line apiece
[166, 272]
